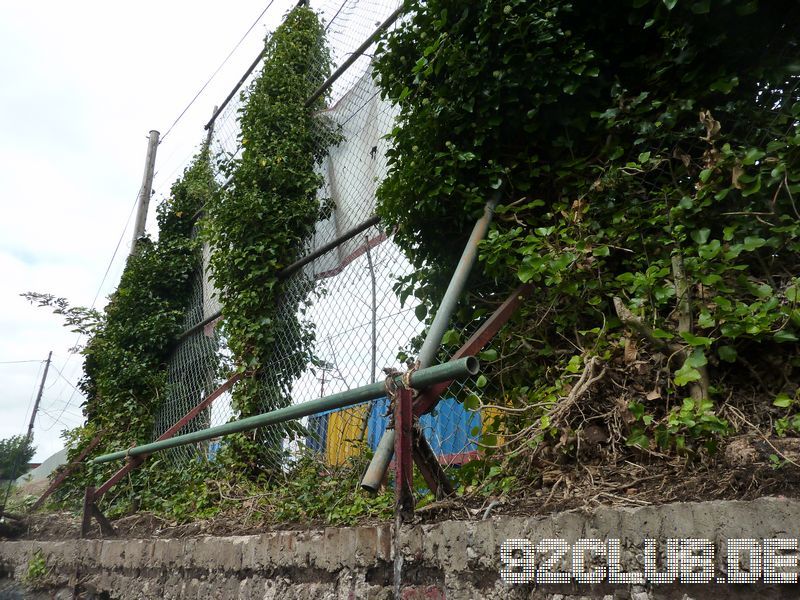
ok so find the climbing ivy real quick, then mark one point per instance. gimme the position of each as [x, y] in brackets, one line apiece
[125, 358]
[648, 157]
[263, 223]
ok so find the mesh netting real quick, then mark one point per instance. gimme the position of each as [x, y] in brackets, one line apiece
[348, 307]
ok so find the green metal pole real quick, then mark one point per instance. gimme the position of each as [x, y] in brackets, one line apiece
[433, 341]
[419, 380]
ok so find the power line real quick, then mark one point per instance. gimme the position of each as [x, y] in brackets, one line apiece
[56, 420]
[214, 74]
[100, 288]
[19, 362]
[66, 405]
[116, 249]
[72, 385]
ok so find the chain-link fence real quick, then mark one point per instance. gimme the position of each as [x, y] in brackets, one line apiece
[348, 308]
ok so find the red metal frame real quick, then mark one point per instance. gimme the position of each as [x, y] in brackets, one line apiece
[404, 462]
[430, 397]
[179, 424]
[92, 495]
[67, 471]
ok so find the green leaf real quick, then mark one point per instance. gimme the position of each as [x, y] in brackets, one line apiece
[705, 320]
[644, 157]
[472, 402]
[697, 358]
[727, 353]
[638, 438]
[784, 336]
[694, 340]
[421, 311]
[451, 337]
[481, 381]
[670, 4]
[782, 400]
[575, 364]
[753, 155]
[756, 187]
[637, 409]
[710, 250]
[526, 272]
[488, 355]
[700, 236]
[753, 243]
[660, 334]
[686, 374]
[601, 251]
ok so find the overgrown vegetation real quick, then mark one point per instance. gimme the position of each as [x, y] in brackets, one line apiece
[38, 574]
[15, 452]
[125, 359]
[648, 156]
[256, 227]
[264, 223]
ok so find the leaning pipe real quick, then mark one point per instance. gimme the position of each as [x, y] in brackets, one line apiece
[385, 450]
[419, 380]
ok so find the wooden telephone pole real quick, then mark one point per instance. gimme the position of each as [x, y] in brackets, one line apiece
[39, 397]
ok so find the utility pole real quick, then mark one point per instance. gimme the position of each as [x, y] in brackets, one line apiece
[147, 188]
[38, 397]
[29, 439]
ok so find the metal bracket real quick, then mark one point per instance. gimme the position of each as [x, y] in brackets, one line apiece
[90, 510]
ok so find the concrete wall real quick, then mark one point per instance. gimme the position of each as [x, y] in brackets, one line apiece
[452, 559]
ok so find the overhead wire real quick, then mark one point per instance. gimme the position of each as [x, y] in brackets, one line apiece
[19, 362]
[214, 74]
[67, 404]
[133, 208]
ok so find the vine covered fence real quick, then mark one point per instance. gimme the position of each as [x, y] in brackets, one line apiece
[658, 224]
[344, 301]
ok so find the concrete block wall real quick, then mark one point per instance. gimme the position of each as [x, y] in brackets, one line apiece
[451, 559]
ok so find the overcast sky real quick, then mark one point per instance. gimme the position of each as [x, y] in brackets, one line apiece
[81, 84]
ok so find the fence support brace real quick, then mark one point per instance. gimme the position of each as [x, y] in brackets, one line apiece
[379, 464]
[92, 495]
[403, 463]
[66, 472]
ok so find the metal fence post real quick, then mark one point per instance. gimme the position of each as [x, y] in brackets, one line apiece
[404, 463]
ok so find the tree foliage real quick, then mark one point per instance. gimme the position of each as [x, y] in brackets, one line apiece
[15, 453]
[647, 151]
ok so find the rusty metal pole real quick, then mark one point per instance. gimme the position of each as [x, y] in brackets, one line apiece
[403, 478]
[404, 462]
